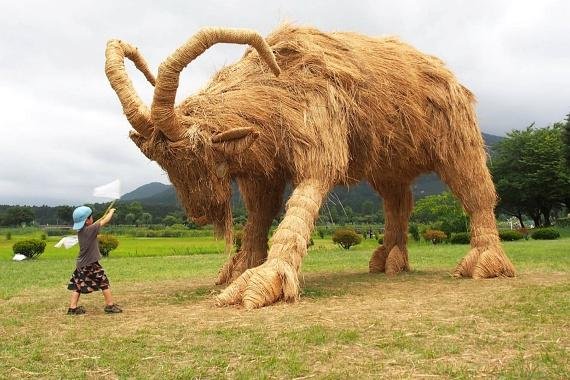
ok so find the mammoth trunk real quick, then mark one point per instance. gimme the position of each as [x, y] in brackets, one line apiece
[210, 203]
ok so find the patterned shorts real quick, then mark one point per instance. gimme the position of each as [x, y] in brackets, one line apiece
[90, 278]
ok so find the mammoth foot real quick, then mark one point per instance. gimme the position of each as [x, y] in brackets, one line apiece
[391, 263]
[232, 268]
[261, 286]
[485, 262]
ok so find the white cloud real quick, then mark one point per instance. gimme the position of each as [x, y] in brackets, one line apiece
[62, 131]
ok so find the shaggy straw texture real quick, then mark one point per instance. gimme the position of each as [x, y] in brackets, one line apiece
[314, 109]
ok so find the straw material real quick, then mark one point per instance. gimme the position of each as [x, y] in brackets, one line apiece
[313, 109]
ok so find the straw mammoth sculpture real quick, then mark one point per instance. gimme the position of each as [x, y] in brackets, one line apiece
[313, 109]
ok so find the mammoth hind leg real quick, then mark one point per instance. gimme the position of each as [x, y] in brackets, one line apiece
[470, 181]
[392, 256]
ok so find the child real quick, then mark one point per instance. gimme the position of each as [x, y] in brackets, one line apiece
[89, 274]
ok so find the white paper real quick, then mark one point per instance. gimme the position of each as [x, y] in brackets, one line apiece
[111, 190]
[67, 242]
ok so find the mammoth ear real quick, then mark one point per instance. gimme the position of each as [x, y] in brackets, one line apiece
[234, 141]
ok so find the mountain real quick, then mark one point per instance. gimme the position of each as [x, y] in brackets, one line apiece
[355, 197]
[146, 191]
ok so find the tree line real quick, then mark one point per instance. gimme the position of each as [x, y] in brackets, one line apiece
[531, 171]
[530, 168]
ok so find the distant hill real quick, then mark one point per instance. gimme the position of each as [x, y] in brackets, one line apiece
[146, 191]
[156, 193]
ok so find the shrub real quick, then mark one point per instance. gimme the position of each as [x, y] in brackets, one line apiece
[435, 236]
[321, 233]
[8, 236]
[310, 243]
[238, 237]
[460, 238]
[414, 231]
[346, 237]
[510, 235]
[107, 243]
[545, 234]
[380, 239]
[563, 222]
[43, 236]
[31, 248]
[524, 232]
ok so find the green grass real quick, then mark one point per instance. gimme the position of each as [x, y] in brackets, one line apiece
[347, 324]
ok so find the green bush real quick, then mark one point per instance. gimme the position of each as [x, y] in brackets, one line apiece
[31, 248]
[563, 222]
[8, 236]
[380, 239]
[524, 232]
[346, 237]
[460, 238]
[107, 243]
[310, 243]
[510, 235]
[414, 231]
[435, 236]
[545, 234]
[43, 236]
[321, 233]
[238, 239]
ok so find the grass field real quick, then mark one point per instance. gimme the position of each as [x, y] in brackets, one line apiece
[347, 324]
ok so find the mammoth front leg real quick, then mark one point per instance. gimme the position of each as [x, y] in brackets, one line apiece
[263, 200]
[278, 277]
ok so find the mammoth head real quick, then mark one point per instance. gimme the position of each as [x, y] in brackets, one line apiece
[196, 159]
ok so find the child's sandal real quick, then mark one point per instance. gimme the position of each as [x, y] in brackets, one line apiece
[110, 309]
[77, 311]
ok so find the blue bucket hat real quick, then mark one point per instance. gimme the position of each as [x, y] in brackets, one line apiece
[80, 215]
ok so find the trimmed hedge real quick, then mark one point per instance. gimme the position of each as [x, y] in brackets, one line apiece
[460, 238]
[31, 248]
[435, 236]
[346, 237]
[545, 234]
[107, 243]
[380, 239]
[510, 235]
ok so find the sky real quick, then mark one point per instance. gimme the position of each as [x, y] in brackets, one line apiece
[62, 130]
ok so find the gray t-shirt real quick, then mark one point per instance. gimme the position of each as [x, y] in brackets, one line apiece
[88, 245]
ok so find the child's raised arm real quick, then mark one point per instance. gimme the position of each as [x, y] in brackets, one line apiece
[106, 218]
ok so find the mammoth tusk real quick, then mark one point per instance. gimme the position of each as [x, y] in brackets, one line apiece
[163, 114]
[136, 111]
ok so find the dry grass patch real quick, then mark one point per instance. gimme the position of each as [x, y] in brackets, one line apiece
[350, 324]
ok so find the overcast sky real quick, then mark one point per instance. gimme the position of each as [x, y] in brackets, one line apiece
[63, 132]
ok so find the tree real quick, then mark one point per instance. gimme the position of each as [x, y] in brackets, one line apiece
[441, 211]
[145, 218]
[130, 218]
[170, 220]
[530, 173]
[18, 215]
[64, 214]
[566, 153]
